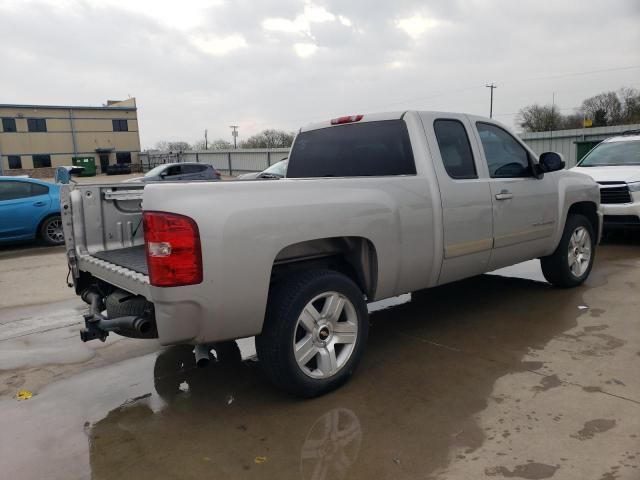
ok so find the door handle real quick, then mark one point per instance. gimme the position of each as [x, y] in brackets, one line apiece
[39, 204]
[504, 195]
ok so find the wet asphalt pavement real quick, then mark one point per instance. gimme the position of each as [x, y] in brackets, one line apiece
[499, 376]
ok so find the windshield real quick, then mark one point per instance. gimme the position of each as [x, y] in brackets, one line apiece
[154, 172]
[278, 169]
[614, 153]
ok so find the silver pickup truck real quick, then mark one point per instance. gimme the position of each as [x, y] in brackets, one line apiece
[371, 207]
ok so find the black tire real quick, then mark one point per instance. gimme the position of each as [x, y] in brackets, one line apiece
[51, 230]
[555, 267]
[124, 304]
[274, 345]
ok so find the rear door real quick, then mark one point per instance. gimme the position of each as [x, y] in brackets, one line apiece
[22, 205]
[465, 195]
[525, 208]
[194, 172]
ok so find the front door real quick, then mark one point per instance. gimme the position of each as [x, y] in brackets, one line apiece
[104, 162]
[524, 207]
[465, 196]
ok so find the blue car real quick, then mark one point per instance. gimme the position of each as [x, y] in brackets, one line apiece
[29, 210]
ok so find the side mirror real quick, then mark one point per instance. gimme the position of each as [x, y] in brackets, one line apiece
[551, 162]
[163, 174]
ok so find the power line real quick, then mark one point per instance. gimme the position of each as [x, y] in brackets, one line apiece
[574, 74]
[234, 134]
[492, 87]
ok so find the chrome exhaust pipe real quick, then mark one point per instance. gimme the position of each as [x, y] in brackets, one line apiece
[202, 354]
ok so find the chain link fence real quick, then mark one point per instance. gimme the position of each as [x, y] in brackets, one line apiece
[227, 162]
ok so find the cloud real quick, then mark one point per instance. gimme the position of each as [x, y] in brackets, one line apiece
[305, 49]
[416, 25]
[302, 23]
[218, 45]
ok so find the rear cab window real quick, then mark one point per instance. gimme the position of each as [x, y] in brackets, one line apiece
[379, 148]
[455, 149]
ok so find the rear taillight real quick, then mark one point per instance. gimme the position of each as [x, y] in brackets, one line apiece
[172, 245]
[347, 119]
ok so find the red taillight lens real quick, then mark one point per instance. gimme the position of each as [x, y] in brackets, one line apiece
[172, 245]
[347, 119]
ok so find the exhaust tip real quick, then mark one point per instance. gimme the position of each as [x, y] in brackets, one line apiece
[203, 362]
[202, 355]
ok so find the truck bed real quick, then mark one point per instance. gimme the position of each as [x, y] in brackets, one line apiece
[133, 258]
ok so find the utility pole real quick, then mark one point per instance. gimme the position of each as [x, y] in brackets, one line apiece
[491, 86]
[234, 134]
[206, 140]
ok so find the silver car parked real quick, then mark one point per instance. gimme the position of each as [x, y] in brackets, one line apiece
[172, 172]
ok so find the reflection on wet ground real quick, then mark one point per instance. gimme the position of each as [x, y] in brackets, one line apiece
[437, 369]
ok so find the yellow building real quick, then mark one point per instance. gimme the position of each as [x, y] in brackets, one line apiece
[34, 139]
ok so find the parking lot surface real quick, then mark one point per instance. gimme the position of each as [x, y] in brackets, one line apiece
[499, 376]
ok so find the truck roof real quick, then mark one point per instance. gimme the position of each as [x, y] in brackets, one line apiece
[370, 117]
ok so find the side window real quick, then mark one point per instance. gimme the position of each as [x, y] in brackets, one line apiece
[37, 124]
[123, 157]
[38, 190]
[14, 161]
[174, 170]
[377, 148]
[41, 161]
[506, 158]
[9, 125]
[14, 190]
[193, 168]
[455, 149]
[120, 125]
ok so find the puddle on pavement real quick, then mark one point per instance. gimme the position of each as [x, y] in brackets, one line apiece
[157, 416]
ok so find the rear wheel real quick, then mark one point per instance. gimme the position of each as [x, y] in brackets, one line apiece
[571, 263]
[51, 230]
[314, 333]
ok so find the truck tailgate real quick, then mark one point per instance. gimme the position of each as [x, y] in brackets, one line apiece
[132, 258]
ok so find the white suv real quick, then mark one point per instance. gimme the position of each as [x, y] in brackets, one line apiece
[615, 165]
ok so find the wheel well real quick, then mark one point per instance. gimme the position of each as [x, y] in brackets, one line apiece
[589, 210]
[354, 257]
[44, 220]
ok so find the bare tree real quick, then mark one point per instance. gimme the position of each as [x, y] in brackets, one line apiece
[165, 146]
[573, 120]
[539, 118]
[604, 109]
[630, 99]
[218, 144]
[269, 139]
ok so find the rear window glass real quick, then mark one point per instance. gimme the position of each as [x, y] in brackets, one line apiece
[455, 149]
[354, 150]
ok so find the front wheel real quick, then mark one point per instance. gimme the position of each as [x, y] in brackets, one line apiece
[314, 333]
[571, 263]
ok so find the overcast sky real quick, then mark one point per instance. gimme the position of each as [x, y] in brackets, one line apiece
[196, 64]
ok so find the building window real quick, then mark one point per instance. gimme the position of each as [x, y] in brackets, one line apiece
[9, 125]
[41, 161]
[37, 124]
[15, 161]
[120, 126]
[123, 157]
